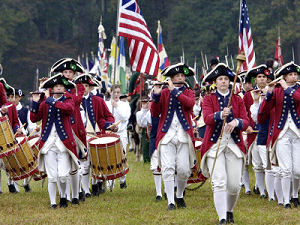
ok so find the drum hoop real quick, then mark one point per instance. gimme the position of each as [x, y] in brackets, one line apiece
[112, 176]
[107, 144]
[3, 119]
[32, 137]
[26, 175]
[8, 153]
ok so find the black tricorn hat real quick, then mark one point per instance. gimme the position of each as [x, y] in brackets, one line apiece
[178, 68]
[58, 79]
[86, 79]
[220, 70]
[261, 69]
[8, 89]
[67, 64]
[287, 68]
[17, 92]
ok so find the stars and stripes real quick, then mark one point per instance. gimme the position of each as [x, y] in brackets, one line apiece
[245, 38]
[102, 55]
[143, 54]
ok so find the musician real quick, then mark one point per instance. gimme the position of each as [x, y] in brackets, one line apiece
[286, 135]
[175, 131]
[227, 173]
[9, 109]
[257, 143]
[97, 118]
[68, 67]
[121, 112]
[145, 120]
[58, 155]
[14, 96]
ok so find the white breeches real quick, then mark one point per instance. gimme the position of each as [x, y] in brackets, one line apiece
[57, 164]
[259, 157]
[227, 173]
[154, 163]
[174, 156]
[288, 155]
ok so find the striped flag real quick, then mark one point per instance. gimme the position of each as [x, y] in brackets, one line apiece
[245, 38]
[164, 60]
[102, 55]
[143, 54]
[278, 55]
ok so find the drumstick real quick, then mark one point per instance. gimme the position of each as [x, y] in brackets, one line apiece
[35, 129]
[114, 124]
[195, 118]
[20, 128]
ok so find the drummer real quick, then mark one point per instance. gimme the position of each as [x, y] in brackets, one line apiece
[9, 109]
[58, 155]
[96, 118]
[121, 112]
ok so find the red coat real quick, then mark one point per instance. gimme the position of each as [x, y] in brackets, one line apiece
[99, 112]
[248, 100]
[186, 99]
[210, 109]
[40, 111]
[12, 114]
[3, 98]
[77, 124]
[277, 100]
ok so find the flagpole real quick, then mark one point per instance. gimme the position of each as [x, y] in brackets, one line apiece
[117, 39]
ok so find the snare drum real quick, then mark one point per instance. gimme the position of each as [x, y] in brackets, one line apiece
[21, 164]
[197, 176]
[7, 141]
[107, 157]
[33, 142]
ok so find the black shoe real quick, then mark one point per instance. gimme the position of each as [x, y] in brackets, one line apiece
[75, 201]
[123, 185]
[82, 196]
[280, 204]
[63, 203]
[256, 190]
[102, 187]
[54, 206]
[0, 192]
[263, 196]
[248, 192]
[27, 188]
[229, 216]
[287, 206]
[222, 221]
[180, 203]
[171, 207]
[87, 195]
[95, 190]
[158, 198]
[12, 188]
[295, 202]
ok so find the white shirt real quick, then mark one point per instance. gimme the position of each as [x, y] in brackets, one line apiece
[143, 117]
[121, 112]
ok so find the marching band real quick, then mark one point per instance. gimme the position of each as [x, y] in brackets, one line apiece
[83, 138]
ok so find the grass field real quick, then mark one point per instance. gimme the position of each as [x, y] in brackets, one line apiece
[136, 205]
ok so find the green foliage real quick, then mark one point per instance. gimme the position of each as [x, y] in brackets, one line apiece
[36, 33]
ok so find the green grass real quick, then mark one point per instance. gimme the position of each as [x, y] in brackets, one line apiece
[136, 205]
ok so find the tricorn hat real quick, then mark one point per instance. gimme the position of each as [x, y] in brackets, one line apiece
[86, 79]
[58, 79]
[287, 68]
[220, 69]
[67, 64]
[178, 68]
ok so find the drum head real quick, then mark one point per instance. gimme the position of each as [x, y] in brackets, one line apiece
[198, 143]
[103, 140]
[33, 141]
[20, 139]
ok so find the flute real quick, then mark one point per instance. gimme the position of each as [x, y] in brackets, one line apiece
[53, 93]
[166, 83]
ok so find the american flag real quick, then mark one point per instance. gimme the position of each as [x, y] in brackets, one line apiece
[245, 38]
[143, 54]
[101, 55]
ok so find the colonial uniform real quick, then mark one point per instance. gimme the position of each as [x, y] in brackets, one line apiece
[96, 118]
[286, 133]
[226, 178]
[58, 155]
[257, 151]
[175, 134]
[76, 121]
